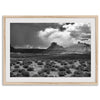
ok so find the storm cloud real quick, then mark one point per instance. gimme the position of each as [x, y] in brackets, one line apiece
[67, 34]
[25, 35]
[41, 35]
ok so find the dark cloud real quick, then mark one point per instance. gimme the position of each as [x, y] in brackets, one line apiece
[69, 23]
[61, 28]
[27, 33]
[67, 34]
[75, 34]
[72, 23]
[86, 36]
[84, 29]
[42, 34]
[83, 39]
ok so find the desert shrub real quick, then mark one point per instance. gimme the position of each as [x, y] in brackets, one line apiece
[25, 73]
[30, 69]
[56, 60]
[11, 64]
[87, 74]
[53, 69]
[73, 66]
[40, 63]
[61, 73]
[21, 70]
[84, 64]
[78, 74]
[81, 62]
[43, 74]
[25, 66]
[52, 63]
[15, 70]
[48, 63]
[66, 67]
[21, 64]
[62, 69]
[11, 74]
[55, 66]
[17, 62]
[46, 70]
[50, 76]
[40, 72]
[16, 66]
[63, 63]
[70, 62]
[89, 62]
[47, 66]
[24, 61]
[27, 62]
[75, 61]
[79, 68]
[88, 69]
[68, 71]
[35, 75]
[19, 75]
[73, 75]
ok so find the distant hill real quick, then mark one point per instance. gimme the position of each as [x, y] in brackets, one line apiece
[54, 48]
[23, 50]
[79, 48]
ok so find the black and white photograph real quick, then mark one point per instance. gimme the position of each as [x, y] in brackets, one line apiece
[52, 48]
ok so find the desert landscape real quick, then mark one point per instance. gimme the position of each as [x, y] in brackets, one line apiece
[50, 49]
[55, 61]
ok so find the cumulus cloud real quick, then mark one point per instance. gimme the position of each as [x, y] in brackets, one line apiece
[67, 34]
[54, 35]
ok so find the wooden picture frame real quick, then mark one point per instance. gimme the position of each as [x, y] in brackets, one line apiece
[48, 19]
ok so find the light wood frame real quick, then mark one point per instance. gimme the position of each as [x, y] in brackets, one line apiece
[50, 83]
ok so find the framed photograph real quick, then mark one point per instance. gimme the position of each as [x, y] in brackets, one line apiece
[50, 50]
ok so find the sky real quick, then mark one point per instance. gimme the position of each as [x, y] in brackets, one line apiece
[41, 35]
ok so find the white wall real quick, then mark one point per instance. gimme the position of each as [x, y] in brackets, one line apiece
[47, 7]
